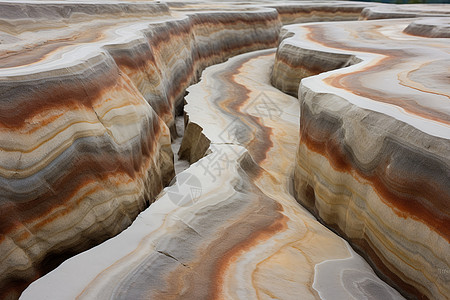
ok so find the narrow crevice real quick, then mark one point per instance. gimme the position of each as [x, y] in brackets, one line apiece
[174, 258]
[179, 164]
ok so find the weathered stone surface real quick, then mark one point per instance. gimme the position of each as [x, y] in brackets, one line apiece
[241, 235]
[81, 154]
[405, 11]
[86, 106]
[373, 159]
[88, 95]
[430, 27]
[82, 151]
[318, 11]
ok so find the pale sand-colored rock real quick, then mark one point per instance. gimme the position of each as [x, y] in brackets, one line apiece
[81, 156]
[81, 150]
[430, 27]
[290, 12]
[229, 228]
[373, 159]
[405, 11]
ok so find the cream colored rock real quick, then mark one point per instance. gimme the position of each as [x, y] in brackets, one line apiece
[405, 11]
[373, 159]
[86, 106]
[89, 92]
[229, 227]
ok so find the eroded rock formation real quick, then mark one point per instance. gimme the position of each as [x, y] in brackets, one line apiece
[229, 227]
[404, 11]
[87, 104]
[373, 160]
[89, 92]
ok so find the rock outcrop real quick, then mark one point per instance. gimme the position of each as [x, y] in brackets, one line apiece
[373, 160]
[228, 227]
[87, 105]
[404, 11]
[430, 27]
[89, 92]
[81, 150]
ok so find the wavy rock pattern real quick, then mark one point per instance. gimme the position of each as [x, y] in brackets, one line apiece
[240, 233]
[82, 151]
[432, 27]
[315, 11]
[87, 104]
[373, 159]
[404, 11]
[87, 117]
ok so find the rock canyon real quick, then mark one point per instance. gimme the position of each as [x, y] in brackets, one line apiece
[224, 150]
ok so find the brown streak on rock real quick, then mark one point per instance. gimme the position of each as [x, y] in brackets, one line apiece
[84, 171]
[404, 207]
[279, 224]
[351, 81]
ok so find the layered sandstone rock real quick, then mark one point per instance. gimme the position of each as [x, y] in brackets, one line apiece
[373, 159]
[82, 151]
[229, 227]
[89, 92]
[430, 27]
[319, 11]
[86, 106]
[404, 11]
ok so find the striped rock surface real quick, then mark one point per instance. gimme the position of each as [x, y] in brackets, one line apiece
[87, 105]
[373, 159]
[81, 150]
[404, 11]
[229, 226]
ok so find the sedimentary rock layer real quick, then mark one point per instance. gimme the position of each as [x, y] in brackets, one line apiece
[228, 227]
[82, 151]
[430, 27]
[373, 159]
[317, 11]
[404, 11]
[86, 106]
[289, 12]
[82, 154]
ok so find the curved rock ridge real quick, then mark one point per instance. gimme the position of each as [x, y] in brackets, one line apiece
[373, 159]
[15, 11]
[161, 55]
[86, 106]
[82, 151]
[229, 226]
[430, 27]
[317, 11]
[81, 155]
[404, 11]
[290, 12]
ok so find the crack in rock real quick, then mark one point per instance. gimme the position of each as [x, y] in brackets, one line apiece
[174, 258]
